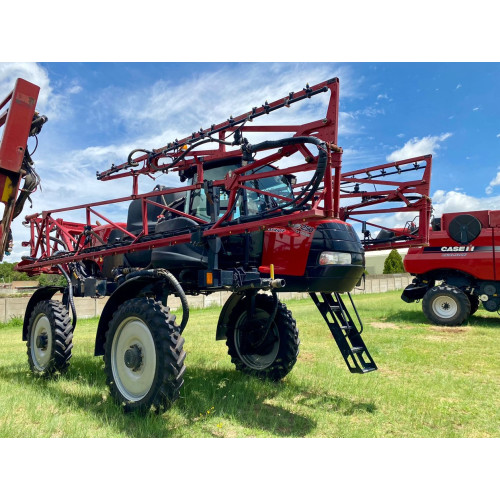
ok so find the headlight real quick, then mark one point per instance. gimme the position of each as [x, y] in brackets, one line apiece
[329, 258]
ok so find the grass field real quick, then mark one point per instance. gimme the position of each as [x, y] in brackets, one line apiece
[431, 382]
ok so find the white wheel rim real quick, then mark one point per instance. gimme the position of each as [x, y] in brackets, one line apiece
[445, 307]
[133, 384]
[39, 355]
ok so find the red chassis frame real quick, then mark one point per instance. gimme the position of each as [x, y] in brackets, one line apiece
[16, 116]
[47, 252]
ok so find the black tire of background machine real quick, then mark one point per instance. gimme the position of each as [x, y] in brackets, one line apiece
[446, 305]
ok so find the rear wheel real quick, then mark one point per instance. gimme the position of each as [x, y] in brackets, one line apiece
[50, 336]
[446, 305]
[270, 355]
[144, 356]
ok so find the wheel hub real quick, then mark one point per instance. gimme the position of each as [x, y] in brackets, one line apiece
[445, 307]
[42, 341]
[254, 340]
[253, 337]
[133, 357]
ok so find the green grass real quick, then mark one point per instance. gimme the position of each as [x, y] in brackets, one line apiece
[431, 382]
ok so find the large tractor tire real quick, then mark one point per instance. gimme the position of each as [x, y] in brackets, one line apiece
[270, 356]
[50, 336]
[144, 356]
[446, 305]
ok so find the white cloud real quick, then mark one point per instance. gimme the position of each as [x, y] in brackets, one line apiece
[211, 97]
[494, 182]
[382, 96]
[475, 109]
[31, 72]
[75, 89]
[454, 201]
[459, 86]
[419, 147]
[50, 103]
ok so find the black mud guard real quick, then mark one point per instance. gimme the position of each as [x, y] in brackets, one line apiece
[224, 315]
[414, 291]
[131, 289]
[45, 293]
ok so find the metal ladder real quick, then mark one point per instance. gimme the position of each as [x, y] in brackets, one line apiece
[344, 331]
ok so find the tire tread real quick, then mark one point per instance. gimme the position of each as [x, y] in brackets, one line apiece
[289, 340]
[170, 355]
[62, 341]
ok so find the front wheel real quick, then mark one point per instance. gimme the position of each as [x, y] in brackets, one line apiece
[144, 356]
[270, 355]
[446, 305]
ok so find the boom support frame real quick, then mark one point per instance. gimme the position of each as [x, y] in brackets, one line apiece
[54, 241]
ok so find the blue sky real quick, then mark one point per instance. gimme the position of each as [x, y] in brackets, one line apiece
[98, 112]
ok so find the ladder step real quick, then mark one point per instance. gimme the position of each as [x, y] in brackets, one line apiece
[345, 332]
[367, 369]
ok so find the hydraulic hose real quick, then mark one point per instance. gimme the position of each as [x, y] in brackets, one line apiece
[316, 179]
[273, 314]
[175, 286]
[70, 294]
[31, 181]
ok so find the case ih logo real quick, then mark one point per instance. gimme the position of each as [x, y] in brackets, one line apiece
[302, 229]
[457, 249]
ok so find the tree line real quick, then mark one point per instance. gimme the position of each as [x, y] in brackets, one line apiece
[8, 274]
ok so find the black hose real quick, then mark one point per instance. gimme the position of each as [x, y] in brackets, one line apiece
[273, 314]
[131, 163]
[70, 294]
[180, 293]
[31, 181]
[56, 240]
[315, 181]
[175, 286]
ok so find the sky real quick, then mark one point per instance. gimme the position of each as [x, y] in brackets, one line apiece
[99, 112]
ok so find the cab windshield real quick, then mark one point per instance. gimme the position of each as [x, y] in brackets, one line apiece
[255, 202]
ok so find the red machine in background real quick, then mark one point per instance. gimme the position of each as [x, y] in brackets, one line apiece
[18, 121]
[459, 269]
[247, 217]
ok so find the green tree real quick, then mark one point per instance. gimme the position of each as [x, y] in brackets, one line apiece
[51, 280]
[7, 273]
[394, 263]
